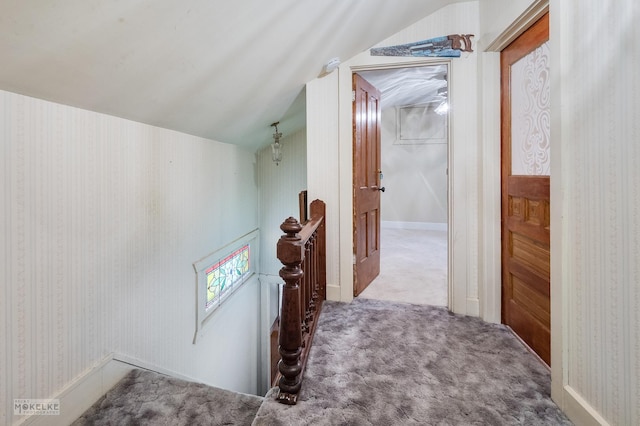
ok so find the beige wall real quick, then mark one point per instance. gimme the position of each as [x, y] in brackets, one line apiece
[497, 15]
[278, 187]
[323, 172]
[102, 220]
[596, 110]
[415, 177]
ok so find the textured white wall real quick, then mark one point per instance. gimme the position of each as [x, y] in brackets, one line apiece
[323, 173]
[415, 177]
[599, 135]
[279, 187]
[102, 219]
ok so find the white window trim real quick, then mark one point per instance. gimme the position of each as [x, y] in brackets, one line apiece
[203, 315]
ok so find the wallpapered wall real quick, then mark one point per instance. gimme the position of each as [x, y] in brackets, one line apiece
[600, 144]
[102, 219]
[279, 187]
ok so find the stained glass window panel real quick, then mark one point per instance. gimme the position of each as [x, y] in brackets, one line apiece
[226, 273]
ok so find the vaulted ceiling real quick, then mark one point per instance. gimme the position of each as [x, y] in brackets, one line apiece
[219, 69]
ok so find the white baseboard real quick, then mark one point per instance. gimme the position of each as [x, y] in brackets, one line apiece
[579, 411]
[136, 363]
[473, 307]
[79, 395]
[422, 226]
[333, 292]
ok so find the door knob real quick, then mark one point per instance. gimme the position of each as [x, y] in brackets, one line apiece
[381, 189]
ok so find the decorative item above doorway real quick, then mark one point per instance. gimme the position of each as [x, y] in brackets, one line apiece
[449, 46]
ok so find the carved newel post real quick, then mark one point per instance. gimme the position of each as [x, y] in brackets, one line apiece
[290, 253]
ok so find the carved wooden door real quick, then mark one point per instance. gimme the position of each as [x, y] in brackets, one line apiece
[366, 183]
[525, 188]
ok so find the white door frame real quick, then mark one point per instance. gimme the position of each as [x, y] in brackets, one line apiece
[457, 300]
[423, 63]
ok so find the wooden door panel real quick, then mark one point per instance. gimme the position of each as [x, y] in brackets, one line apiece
[373, 232]
[363, 237]
[528, 186]
[530, 254]
[525, 196]
[536, 337]
[528, 230]
[537, 303]
[538, 282]
[366, 196]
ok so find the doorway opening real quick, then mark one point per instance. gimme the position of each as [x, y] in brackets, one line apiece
[414, 163]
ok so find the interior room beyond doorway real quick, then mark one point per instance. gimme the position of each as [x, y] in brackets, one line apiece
[414, 163]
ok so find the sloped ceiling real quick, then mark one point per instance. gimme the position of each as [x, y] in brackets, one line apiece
[219, 69]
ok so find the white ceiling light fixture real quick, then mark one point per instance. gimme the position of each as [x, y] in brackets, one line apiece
[276, 147]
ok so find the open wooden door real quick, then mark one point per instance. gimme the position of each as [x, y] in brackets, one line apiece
[366, 183]
[525, 188]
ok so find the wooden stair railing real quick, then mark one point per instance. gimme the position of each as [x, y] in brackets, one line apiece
[302, 251]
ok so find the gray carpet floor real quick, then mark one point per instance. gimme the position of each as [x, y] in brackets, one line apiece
[372, 363]
[147, 398]
[387, 363]
[413, 267]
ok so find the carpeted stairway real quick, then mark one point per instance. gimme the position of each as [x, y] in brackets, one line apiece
[147, 398]
[371, 363]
